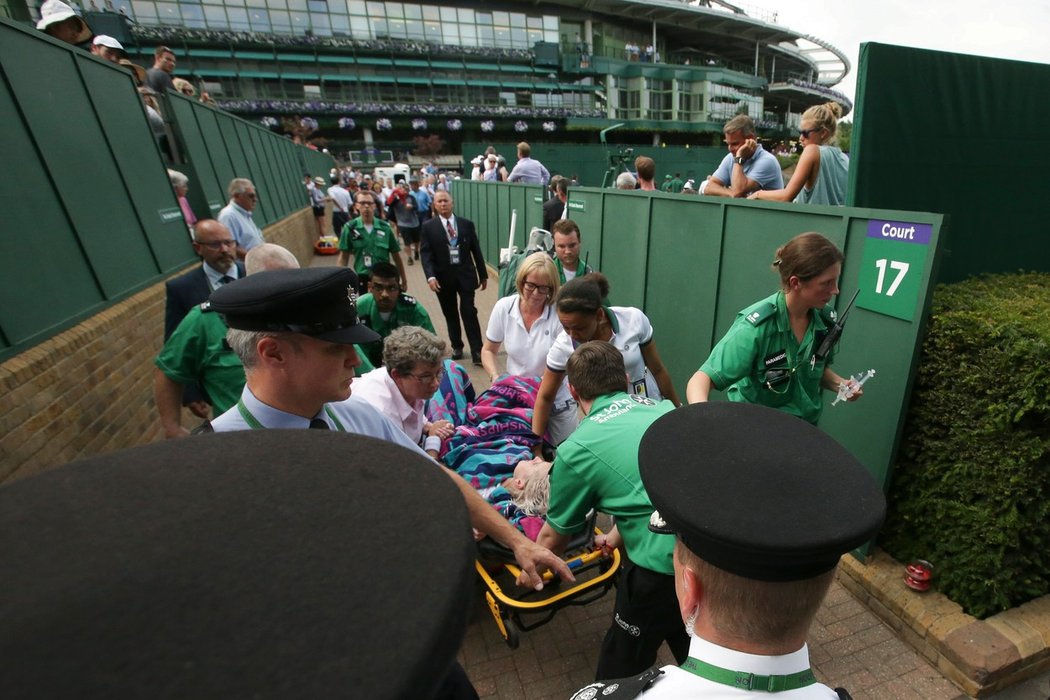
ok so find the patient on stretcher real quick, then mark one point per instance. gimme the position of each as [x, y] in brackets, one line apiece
[522, 498]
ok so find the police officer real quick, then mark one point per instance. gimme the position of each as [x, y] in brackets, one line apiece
[597, 468]
[262, 567]
[386, 307]
[762, 505]
[768, 356]
[294, 332]
[370, 240]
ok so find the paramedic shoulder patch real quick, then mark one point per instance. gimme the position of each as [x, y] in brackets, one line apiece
[620, 689]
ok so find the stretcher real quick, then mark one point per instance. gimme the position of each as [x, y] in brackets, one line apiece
[516, 609]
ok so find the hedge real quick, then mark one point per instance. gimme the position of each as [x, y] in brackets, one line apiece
[971, 490]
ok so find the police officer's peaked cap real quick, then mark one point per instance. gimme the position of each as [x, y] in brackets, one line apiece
[256, 564]
[756, 491]
[316, 301]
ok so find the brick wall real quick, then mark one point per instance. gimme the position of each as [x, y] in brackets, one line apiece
[89, 389]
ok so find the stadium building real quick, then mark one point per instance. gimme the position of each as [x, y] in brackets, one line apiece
[366, 70]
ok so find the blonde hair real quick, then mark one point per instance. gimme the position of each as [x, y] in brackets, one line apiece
[538, 262]
[534, 497]
[825, 116]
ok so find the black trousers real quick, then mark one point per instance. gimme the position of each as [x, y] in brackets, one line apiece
[339, 220]
[455, 302]
[645, 615]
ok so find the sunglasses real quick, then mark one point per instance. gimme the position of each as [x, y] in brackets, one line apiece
[807, 132]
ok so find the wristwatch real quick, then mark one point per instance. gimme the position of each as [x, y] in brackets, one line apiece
[738, 160]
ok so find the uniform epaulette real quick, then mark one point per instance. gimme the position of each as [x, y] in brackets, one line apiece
[760, 312]
[205, 307]
[623, 688]
[407, 299]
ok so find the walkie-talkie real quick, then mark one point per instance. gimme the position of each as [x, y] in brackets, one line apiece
[835, 333]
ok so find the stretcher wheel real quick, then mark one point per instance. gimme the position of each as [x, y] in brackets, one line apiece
[513, 636]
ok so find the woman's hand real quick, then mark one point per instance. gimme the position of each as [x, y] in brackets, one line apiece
[441, 429]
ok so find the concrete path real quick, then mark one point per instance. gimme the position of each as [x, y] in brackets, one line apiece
[849, 645]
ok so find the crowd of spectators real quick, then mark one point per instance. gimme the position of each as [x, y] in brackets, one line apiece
[823, 90]
[399, 108]
[146, 34]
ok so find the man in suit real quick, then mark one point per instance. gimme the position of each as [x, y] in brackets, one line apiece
[453, 265]
[216, 247]
[554, 208]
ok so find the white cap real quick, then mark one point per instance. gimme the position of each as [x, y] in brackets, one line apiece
[108, 42]
[54, 11]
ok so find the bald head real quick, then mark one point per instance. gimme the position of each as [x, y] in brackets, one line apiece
[215, 244]
[269, 256]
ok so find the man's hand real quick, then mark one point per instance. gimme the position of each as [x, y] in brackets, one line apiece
[433, 284]
[747, 149]
[532, 558]
[201, 409]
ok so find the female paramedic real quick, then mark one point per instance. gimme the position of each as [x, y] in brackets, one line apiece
[768, 356]
[585, 318]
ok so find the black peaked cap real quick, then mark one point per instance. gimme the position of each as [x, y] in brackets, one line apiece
[756, 491]
[316, 301]
[256, 564]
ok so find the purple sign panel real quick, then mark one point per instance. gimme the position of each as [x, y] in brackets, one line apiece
[900, 231]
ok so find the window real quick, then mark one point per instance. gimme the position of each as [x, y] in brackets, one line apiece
[312, 92]
[260, 20]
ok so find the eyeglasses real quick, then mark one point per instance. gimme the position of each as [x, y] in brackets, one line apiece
[530, 287]
[807, 132]
[384, 287]
[366, 204]
[218, 245]
[428, 377]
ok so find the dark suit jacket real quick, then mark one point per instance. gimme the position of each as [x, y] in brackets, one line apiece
[184, 292]
[552, 211]
[433, 252]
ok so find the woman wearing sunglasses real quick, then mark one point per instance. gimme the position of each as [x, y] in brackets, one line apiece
[769, 355]
[822, 170]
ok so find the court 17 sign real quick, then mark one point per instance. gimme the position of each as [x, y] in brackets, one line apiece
[893, 266]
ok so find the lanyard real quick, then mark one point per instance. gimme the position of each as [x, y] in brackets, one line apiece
[749, 681]
[254, 423]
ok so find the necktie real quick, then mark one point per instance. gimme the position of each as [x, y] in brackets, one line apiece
[451, 232]
[225, 279]
[318, 424]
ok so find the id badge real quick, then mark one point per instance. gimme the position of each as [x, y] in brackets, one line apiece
[368, 261]
[638, 388]
[453, 255]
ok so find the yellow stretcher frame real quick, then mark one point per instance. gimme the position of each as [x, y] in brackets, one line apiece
[508, 610]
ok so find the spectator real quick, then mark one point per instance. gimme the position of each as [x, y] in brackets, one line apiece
[423, 200]
[747, 167]
[59, 20]
[342, 204]
[475, 172]
[184, 87]
[646, 169]
[108, 49]
[159, 76]
[237, 215]
[491, 173]
[822, 170]
[137, 71]
[181, 184]
[554, 208]
[404, 214]
[528, 171]
[626, 181]
[317, 201]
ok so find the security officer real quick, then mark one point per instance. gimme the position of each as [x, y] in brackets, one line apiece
[370, 240]
[763, 505]
[597, 468]
[294, 332]
[242, 565]
[769, 356]
[386, 307]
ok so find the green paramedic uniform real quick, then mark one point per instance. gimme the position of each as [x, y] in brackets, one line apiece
[760, 340]
[368, 248]
[197, 352]
[407, 312]
[582, 269]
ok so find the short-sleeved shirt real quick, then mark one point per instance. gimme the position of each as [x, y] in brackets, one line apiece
[526, 349]
[762, 167]
[340, 197]
[631, 332]
[196, 352]
[597, 467]
[354, 415]
[244, 229]
[378, 388]
[407, 312]
[761, 339]
[368, 247]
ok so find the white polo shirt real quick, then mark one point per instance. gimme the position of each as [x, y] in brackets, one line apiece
[526, 349]
[631, 330]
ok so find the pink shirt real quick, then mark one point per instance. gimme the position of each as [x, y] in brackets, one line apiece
[379, 389]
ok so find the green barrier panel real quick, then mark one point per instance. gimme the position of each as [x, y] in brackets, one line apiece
[218, 156]
[945, 115]
[692, 263]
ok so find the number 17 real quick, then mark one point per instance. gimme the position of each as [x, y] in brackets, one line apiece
[900, 267]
